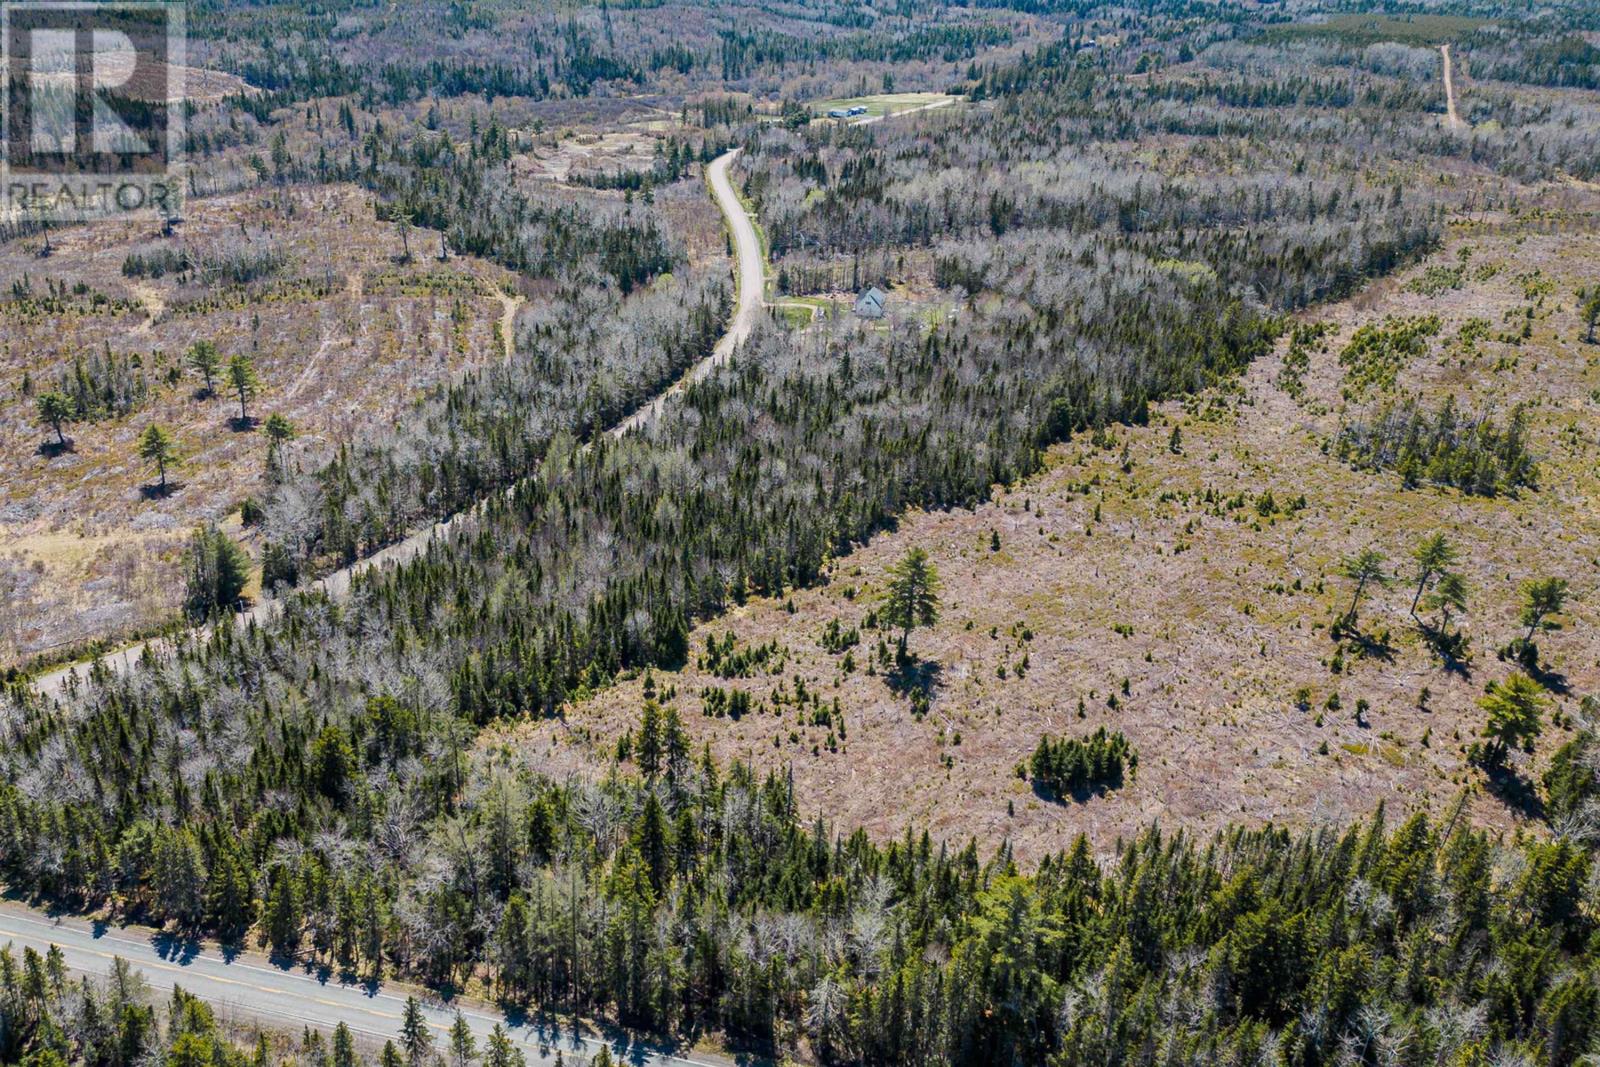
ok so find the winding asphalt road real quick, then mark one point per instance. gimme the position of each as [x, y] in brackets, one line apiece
[250, 988]
[751, 274]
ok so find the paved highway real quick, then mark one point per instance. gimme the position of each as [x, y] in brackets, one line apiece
[253, 989]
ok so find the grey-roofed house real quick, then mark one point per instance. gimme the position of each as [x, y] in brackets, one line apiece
[870, 304]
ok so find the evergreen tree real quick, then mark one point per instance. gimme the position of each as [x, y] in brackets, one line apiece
[1365, 568]
[230, 900]
[415, 1037]
[912, 599]
[218, 571]
[498, 1052]
[55, 411]
[463, 1048]
[1514, 707]
[244, 383]
[280, 431]
[156, 447]
[1434, 556]
[180, 879]
[283, 916]
[649, 748]
[207, 361]
[1541, 598]
[1450, 594]
[344, 1047]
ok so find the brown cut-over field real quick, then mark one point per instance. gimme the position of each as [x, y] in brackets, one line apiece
[343, 330]
[1181, 591]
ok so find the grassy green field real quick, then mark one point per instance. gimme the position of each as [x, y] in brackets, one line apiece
[881, 103]
[798, 311]
[1363, 29]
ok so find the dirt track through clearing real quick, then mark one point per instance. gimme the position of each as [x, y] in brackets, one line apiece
[1452, 115]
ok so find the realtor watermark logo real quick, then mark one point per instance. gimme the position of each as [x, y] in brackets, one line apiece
[91, 108]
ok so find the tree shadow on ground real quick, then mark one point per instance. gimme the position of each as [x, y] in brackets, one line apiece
[1554, 681]
[1451, 648]
[159, 492]
[1514, 791]
[1368, 646]
[551, 1033]
[242, 423]
[176, 948]
[910, 676]
[1082, 795]
[52, 449]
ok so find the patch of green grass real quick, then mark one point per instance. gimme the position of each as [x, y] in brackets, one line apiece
[1361, 30]
[1193, 270]
[880, 103]
[795, 316]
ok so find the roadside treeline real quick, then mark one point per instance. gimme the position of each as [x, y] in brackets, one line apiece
[696, 899]
[610, 329]
[49, 1018]
[584, 358]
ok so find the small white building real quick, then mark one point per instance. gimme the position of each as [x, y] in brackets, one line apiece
[870, 304]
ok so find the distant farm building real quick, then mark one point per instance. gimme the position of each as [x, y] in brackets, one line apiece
[869, 305]
[847, 112]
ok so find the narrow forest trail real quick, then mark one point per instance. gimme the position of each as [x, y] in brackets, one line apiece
[1452, 115]
[510, 304]
[751, 277]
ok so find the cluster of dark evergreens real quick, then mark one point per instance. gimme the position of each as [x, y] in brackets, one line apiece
[156, 262]
[1303, 337]
[103, 385]
[1072, 767]
[694, 898]
[1444, 447]
[1378, 351]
